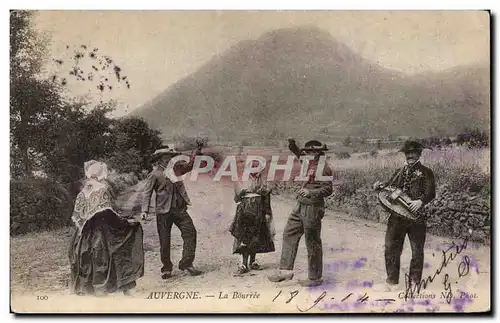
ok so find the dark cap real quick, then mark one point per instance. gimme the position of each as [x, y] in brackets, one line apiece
[411, 146]
[314, 145]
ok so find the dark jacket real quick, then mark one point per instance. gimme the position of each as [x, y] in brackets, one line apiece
[165, 188]
[319, 190]
[418, 183]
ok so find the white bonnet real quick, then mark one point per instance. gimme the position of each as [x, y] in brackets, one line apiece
[96, 170]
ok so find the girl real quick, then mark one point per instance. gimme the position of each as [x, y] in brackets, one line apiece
[252, 226]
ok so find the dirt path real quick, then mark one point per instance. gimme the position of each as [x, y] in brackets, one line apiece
[353, 251]
[353, 248]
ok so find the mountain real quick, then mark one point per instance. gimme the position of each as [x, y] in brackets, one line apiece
[301, 82]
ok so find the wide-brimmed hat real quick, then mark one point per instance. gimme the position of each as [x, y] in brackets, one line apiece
[411, 145]
[163, 151]
[314, 145]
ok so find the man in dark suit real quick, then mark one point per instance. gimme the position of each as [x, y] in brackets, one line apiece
[172, 201]
[416, 181]
[306, 218]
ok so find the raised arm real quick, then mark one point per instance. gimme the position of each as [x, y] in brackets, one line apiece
[292, 146]
[182, 167]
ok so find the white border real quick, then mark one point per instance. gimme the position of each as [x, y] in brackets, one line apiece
[186, 4]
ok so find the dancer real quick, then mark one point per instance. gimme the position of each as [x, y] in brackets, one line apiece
[172, 201]
[306, 219]
[106, 252]
[252, 226]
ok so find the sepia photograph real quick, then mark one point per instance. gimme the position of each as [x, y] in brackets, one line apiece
[251, 161]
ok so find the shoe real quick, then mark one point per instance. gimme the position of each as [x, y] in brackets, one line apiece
[311, 282]
[193, 271]
[128, 292]
[242, 270]
[166, 275]
[281, 276]
[255, 266]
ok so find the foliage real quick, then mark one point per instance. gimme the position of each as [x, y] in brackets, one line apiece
[189, 143]
[473, 138]
[245, 142]
[76, 136]
[133, 142]
[119, 182]
[34, 102]
[343, 155]
[85, 64]
[38, 204]
[57, 135]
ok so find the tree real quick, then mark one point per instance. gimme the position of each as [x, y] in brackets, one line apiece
[32, 100]
[77, 135]
[58, 135]
[133, 142]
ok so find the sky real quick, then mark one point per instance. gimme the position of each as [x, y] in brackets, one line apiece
[157, 48]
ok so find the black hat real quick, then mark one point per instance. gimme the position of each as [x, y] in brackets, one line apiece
[162, 151]
[411, 145]
[314, 145]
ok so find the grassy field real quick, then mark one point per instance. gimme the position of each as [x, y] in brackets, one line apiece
[39, 261]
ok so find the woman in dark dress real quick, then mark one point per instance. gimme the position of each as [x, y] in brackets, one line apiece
[106, 253]
[252, 226]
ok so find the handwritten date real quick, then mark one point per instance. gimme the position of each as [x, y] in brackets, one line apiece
[293, 294]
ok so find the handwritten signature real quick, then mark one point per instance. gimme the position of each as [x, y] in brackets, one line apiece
[361, 299]
[448, 255]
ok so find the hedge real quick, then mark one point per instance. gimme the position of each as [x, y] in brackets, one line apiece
[38, 204]
[451, 214]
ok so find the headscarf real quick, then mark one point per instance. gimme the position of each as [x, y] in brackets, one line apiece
[95, 172]
[86, 207]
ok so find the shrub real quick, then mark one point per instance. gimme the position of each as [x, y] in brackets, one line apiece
[129, 161]
[120, 182]
[189, 143]
[38, 204]
[473, 138]
[245, 142]
[343, 155]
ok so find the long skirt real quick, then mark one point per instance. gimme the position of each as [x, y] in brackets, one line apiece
[249, 229]
[107, 256]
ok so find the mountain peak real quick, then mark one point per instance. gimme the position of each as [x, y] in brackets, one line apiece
[301, 32]
[287, 77]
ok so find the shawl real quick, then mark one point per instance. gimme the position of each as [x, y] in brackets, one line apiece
[93, 199]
